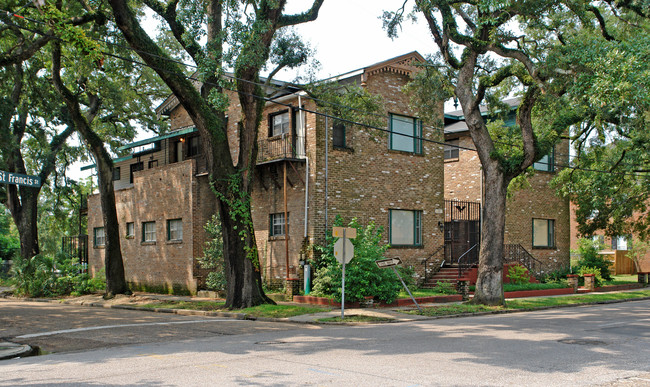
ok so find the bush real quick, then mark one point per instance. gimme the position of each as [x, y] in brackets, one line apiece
[556, 276]
[46, 276]
[518, 275]
[445, 288]
[589, 257]
[592, 270]
[362, 276]
[213, 256]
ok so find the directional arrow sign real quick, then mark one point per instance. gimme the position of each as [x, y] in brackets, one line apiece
[388, 262]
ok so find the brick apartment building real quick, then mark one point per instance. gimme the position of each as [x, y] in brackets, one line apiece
[537, 219]
[318, 167]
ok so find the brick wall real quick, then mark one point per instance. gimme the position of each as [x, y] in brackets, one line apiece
[539, 200]
[158, 195]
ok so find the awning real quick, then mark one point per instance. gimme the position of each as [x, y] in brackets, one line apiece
[175, 133]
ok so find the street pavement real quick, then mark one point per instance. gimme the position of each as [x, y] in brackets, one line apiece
[588, 345]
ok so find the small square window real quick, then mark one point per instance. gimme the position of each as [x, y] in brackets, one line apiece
[278, 124]
[277, 224]
[149, 231]
[451, 149]
[405, 134]
[130, 230]
[405, 228]
[152, 164]
[175, 230]
[544, 233]
[193, 146]
[116, 173]
[99, 237]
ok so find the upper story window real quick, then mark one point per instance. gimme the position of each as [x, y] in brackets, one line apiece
[153, 163]
[338, 135]
[99, 237]
[405, 134]
[405, 228]
[546, 163]
[279, 123]
[619, 243]
[149, 231]
[544, 233]
[451, 149]
[175, 230]
[116, 173]
[193, 146]
[130, 229]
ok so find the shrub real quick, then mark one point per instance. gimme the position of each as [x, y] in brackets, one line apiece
[556, 275]
[362, 276]
[589, 257]
[592, 270]
[46, 276]
[213, 256]
[518, 275]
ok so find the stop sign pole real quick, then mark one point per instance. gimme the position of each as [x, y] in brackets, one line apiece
[342, 249]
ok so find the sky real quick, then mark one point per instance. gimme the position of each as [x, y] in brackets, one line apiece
[346, 36]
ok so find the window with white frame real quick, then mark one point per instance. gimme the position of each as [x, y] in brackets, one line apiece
[405, 228]
[619, 243]
[149, 231]
[279, 123]
[405, 134]
[277, 224]
[175, 229]
[543, 233]
[130, 229]
[99, 236]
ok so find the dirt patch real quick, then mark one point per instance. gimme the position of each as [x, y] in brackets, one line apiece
[120, 299]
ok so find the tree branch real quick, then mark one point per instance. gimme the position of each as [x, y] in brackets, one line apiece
[310, 15]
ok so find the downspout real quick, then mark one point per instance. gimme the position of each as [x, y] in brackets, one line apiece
[304, 131]
[326, 166]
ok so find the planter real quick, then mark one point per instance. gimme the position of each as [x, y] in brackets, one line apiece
[590, 282]
[572, 279]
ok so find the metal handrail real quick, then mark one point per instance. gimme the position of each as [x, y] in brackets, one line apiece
[460, 267]
[517, 253]
[426, 260]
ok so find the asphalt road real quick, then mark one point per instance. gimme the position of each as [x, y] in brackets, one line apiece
[595, 345]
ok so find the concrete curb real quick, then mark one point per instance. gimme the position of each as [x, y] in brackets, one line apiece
[10, 350]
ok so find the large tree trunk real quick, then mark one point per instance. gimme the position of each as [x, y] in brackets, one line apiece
[489, 284]
[24, 211]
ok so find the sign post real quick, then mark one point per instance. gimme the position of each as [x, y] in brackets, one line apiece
[344, 252]
[392, 263]
[18, 179]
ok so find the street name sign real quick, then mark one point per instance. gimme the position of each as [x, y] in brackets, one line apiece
[388, 262]
[18, 179]
[344, 232]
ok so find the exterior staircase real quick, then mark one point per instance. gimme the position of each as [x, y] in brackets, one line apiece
[445, 274]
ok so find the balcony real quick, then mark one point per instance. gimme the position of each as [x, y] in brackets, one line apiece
[284, 147]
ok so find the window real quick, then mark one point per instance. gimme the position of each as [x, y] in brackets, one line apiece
[544, 233]
[619, 243]
[405, 134]
[135, 168]
[116, 173]
[193, 146]
[279, 123]
[276, 224]
[546, 163]
[153, 163]
[177, 148]
[149, 231]
[405, 228]
[175, 230]
[451, 149]
[99, 237]
[338, 134]
[130, 230]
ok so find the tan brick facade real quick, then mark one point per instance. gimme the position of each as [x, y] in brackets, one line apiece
[463, 181]
[365, 180]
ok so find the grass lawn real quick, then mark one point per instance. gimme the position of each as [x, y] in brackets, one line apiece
[531, 303]
[267, 310]
[622, 279]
